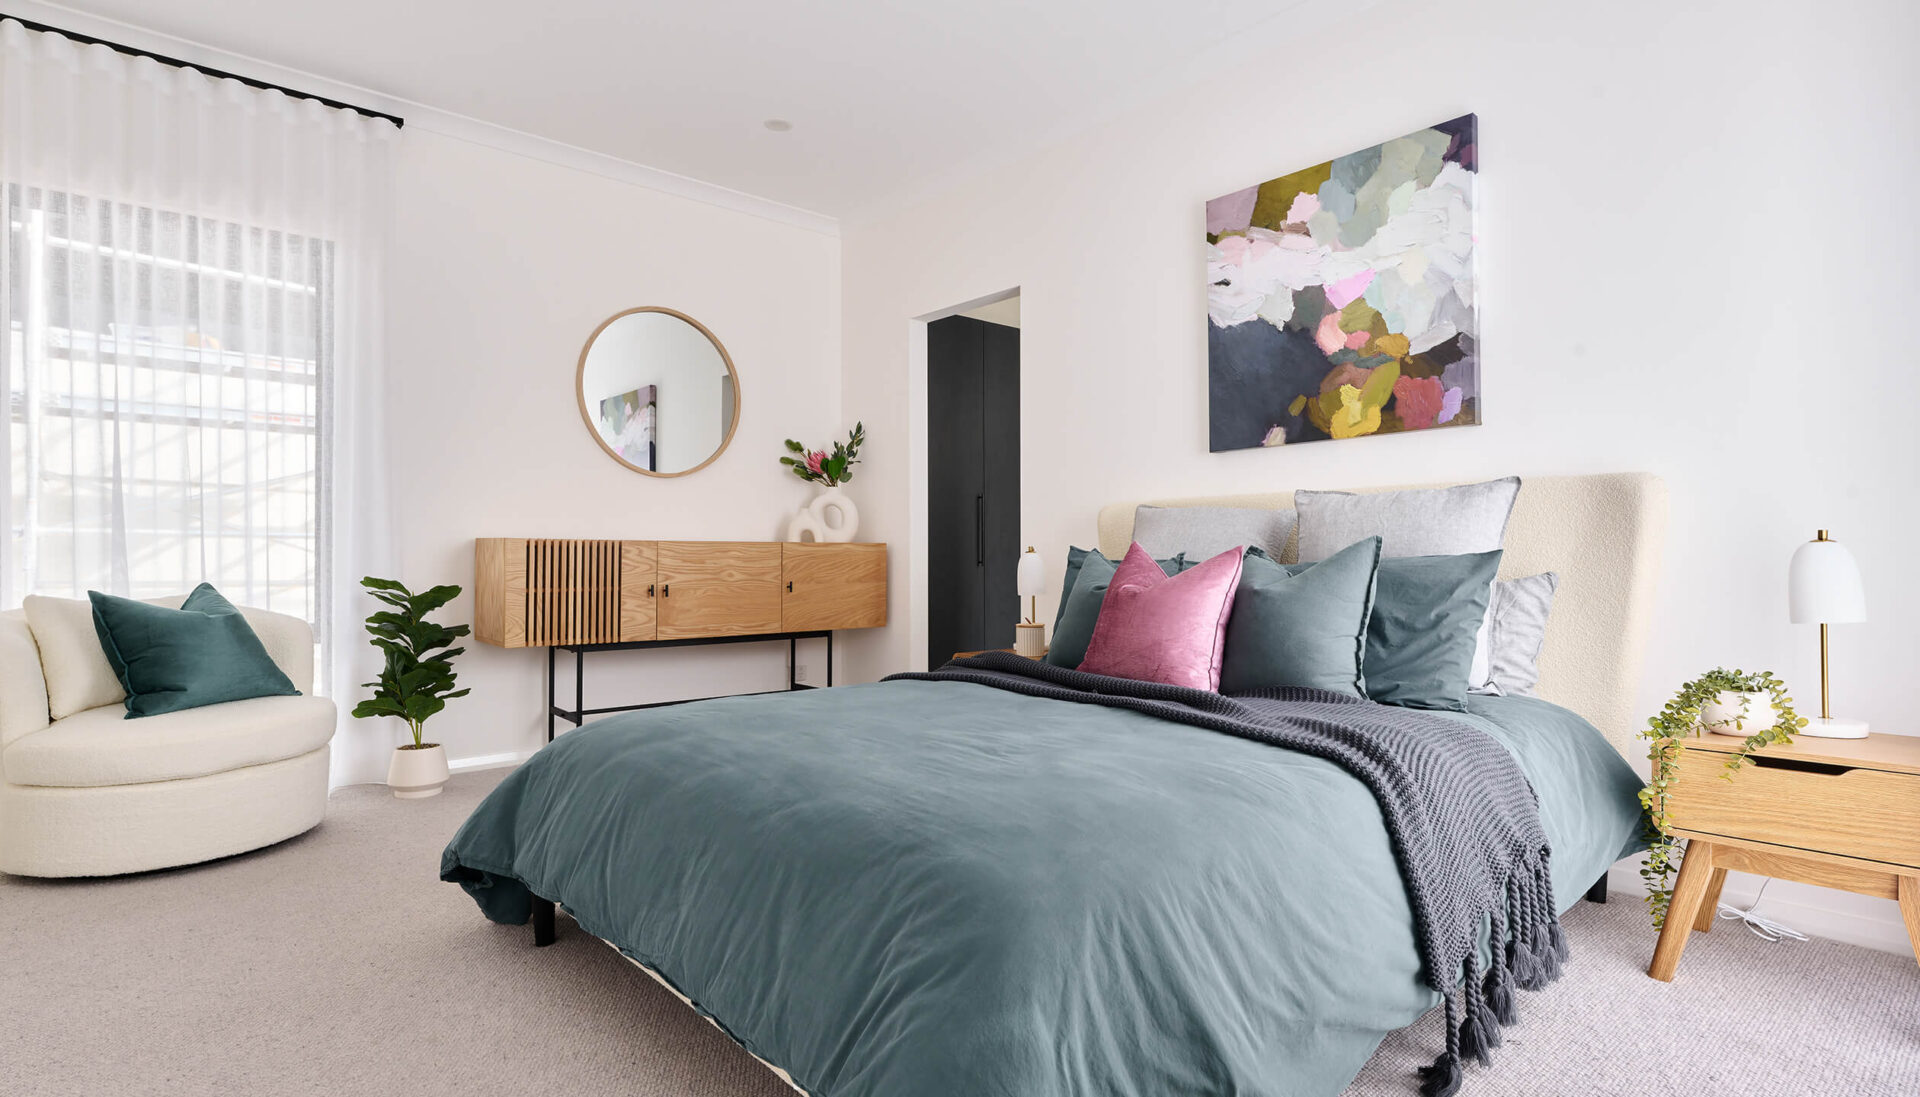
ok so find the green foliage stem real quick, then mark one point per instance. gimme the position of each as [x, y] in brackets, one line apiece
[1677, 722]
[834, 467]
[418, 679]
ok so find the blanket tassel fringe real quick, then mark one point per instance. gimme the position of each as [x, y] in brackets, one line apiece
[1529, 957]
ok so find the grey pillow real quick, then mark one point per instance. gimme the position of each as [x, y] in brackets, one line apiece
[1417, 522]
[1201, 533]
[1301, 624]
[1517, 631]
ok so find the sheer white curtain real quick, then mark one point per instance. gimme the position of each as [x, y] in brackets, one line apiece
[190, 293]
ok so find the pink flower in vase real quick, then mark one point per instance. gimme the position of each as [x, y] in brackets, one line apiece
[815, 460]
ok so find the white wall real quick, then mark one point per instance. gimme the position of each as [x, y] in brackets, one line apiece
[502, 266]
[1696, 260]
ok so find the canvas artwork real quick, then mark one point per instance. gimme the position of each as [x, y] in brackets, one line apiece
[1340, 298]
[627, 421]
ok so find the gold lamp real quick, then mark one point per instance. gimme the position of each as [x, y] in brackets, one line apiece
[1824, 588]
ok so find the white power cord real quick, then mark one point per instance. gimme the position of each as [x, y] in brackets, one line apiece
[1764, 928]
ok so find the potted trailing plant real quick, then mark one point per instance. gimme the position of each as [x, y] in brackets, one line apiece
[829, 469]
[1727, 702]
[416, 682]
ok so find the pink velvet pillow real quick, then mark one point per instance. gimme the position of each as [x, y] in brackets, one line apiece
[1155, 627]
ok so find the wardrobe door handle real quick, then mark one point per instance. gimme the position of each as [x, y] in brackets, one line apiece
[980, 530]
[649, 590]
[665, 590]
[789, 586]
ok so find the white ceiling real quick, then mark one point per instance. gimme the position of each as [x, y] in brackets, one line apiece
[886, 97]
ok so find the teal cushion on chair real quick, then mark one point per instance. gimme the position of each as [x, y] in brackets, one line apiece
[1426, 615]
[203, 653]
[1301, 624]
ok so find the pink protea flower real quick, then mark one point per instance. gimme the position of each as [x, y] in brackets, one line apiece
[815, 460]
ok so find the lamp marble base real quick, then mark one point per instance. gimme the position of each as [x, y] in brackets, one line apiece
[1832, 727]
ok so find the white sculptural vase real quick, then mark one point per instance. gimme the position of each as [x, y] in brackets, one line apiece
[830, 517]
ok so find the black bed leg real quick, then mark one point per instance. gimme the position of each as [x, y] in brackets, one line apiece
[542, 922]
[1598, 892]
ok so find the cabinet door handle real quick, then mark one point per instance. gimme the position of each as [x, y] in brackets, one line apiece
[789, 586]
[649, 590]
[980, 530]
[665, 590]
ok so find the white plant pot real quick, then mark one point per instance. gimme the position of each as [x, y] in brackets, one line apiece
[831, 517]
[1753, 710]
[417, 774]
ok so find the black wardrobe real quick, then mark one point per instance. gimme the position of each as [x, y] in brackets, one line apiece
[973, 486]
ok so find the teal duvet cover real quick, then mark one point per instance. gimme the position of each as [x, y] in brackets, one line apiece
[924, 889]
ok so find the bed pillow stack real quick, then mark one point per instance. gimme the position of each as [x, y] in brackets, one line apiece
[1394, 599]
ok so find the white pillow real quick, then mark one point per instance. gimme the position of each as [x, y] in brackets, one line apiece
[75, 665]
[1516, 633]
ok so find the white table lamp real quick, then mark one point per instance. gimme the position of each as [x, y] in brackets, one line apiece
[1030, 636]
[1823, 587]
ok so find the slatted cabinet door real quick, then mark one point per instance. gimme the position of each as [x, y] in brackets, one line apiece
[834, 586]
[717, 588]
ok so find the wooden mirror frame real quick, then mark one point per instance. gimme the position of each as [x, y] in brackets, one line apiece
[593, 428]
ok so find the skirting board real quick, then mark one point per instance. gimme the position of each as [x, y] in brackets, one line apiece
[508, 760]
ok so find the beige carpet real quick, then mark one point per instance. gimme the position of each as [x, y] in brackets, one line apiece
[338, 964]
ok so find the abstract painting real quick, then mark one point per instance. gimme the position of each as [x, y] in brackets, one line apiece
[626, 422]
[1340, 298]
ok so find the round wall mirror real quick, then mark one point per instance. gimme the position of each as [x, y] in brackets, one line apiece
[658, 391]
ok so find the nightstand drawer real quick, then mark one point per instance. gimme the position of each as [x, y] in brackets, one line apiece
[1867, 813]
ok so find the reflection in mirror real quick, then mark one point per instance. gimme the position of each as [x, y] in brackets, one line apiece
[658, 391]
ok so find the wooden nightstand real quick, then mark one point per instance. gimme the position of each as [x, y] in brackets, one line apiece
[1841, 813]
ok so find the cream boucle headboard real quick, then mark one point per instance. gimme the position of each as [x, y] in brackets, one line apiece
[1602, 534]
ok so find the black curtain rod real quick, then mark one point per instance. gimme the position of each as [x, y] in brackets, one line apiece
[130, 51]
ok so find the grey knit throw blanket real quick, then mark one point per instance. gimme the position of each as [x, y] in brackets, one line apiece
[1462, 817]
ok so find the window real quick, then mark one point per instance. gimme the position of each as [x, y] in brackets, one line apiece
[165, 386]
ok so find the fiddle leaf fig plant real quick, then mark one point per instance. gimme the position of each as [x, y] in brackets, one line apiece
[1678, 721]
[418, 679]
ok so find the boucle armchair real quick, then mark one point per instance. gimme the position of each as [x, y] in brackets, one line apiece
[85, 792]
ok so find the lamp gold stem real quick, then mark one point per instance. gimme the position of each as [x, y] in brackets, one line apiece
[1825, 712]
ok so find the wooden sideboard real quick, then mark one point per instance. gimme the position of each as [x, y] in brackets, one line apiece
[531, 592]
[593, 595]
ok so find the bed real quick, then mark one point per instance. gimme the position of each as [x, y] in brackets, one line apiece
[931, 886]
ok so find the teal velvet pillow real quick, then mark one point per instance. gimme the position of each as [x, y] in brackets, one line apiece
[203, 653]
[1302, 624]
[1081, 594]
[1426, 615]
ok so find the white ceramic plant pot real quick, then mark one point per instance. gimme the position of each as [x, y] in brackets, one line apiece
[1754, 711]
[830, 517]
[415, 774]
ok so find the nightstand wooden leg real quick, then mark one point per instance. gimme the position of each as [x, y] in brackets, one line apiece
[1710, 903]
[1696, 872]
[1910, 910]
